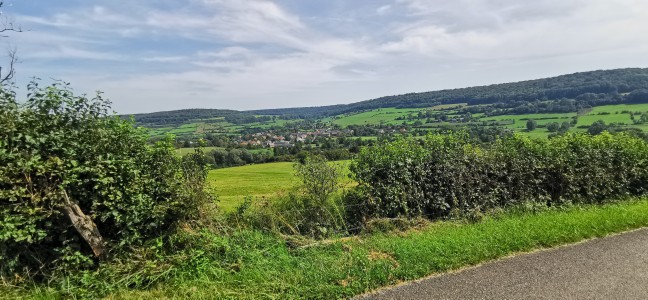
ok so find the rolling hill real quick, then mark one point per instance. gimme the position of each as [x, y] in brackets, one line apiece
[584, 89]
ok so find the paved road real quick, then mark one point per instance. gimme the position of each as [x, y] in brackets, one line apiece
[614, 267]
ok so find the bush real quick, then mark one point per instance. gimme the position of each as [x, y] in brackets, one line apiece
[78, 184]
[448, 174]
[314, 209]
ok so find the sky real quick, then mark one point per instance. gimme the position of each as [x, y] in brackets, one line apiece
[162, 55]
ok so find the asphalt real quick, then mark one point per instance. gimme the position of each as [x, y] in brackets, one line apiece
[614, 267]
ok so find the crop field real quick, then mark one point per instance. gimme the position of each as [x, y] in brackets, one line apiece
[232, 185]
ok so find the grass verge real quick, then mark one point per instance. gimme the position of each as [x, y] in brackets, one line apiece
[254, 265]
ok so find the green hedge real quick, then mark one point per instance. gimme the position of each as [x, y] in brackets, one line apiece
[59, 151]
[447, 173]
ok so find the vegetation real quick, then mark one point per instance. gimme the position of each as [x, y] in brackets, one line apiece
[313, 210]
[94, 207]
[78, 185]
[260, 182]
[253, 265]
[447, 174]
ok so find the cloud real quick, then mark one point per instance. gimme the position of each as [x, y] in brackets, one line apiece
[165, 59]
[499, 29]
[383, 9]
[153, 55]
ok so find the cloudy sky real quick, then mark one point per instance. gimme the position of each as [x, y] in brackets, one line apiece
[250, 54]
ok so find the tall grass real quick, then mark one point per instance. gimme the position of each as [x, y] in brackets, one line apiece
[250, 264]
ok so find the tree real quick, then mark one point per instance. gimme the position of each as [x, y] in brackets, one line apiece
[531, 124]
[644, 118]
[553, 127]
[77, 182]
[319, 179]
[597, 127]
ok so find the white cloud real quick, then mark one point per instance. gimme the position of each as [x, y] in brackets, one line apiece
[63, 52]
[383, 10]
[259, 53]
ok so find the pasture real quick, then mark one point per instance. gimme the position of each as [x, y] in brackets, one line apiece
[232, 185]
[375, 117]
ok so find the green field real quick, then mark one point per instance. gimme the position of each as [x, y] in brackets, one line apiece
[519, 121]
[232, 185]
[614, 115]
[620, 108]
[388, 116]
[611, 118]
[375, 117]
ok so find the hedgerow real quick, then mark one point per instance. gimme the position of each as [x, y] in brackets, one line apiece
[79, 185]
[447, 173]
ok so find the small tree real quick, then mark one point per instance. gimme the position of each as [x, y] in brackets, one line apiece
[597, 127]
[644, 118]
[531, 125]
[319, 179]
[553, 127]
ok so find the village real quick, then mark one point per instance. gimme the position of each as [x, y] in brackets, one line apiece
[271, 139]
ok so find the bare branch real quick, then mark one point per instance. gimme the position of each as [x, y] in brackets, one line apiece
[12, 71]
[8, 25]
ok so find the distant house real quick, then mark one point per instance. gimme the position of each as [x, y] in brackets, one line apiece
[283, 144]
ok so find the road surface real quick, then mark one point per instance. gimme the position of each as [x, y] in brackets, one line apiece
[614, 267]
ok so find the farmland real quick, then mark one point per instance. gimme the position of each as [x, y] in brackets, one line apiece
[373, 117]
[260, 181]
[618, 114]
[150, 228]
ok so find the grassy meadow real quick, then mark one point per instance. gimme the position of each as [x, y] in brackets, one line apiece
[375, 117]
[232, 185]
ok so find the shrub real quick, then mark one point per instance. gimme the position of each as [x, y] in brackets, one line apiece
[78, 184]
[314, 209]
[449, 174]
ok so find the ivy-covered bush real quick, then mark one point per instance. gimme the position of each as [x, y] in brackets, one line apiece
[448, 173]
[78, 184]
